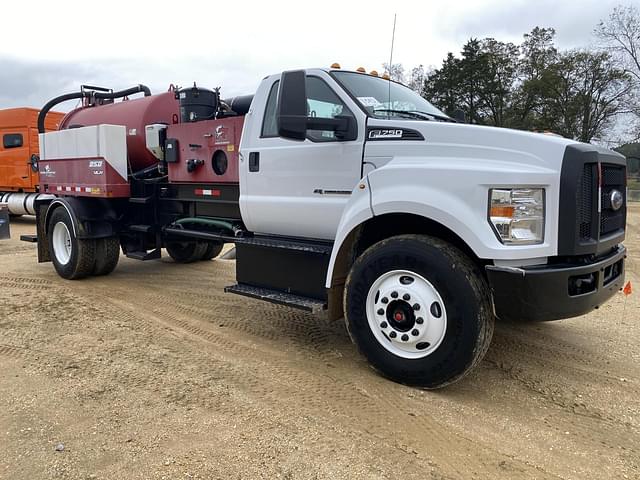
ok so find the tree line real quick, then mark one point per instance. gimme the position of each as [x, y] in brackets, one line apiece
[589, 94]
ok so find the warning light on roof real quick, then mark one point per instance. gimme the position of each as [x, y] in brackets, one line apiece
[374, 73]
[335, 65]
[385, 76]
[361, 70]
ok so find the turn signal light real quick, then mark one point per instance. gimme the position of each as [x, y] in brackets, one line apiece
[502, 212]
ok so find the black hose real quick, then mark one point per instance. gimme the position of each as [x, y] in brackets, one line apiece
[87, 94]
[123, 93]
[53, 102]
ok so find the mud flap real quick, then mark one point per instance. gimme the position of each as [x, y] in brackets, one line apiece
[41, 231]
[5, 233]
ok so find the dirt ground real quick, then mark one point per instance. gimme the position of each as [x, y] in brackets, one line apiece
[154, 373]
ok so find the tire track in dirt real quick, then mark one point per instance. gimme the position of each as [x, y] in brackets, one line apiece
[322, 392]
[250, 380]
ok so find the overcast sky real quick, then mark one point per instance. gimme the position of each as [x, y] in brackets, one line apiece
[49, 48]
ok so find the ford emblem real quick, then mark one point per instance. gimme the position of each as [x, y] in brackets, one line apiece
[616, 199]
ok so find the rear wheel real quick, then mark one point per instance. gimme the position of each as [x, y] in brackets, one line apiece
[212, 251]
[419, 310]
[107, 255]
[186, 252]
[72, 258]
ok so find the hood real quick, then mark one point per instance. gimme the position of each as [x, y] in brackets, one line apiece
[464, 143]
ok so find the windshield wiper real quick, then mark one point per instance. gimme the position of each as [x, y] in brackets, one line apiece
[416, 114]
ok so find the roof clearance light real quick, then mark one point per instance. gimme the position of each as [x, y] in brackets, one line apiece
[361, 70]
[385, 76]
[335, 65]
[374, 73]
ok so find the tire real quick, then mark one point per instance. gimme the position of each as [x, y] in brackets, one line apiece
[212, 251]
[186, 252]
[72, 258]
[107, 255]
[436, 334]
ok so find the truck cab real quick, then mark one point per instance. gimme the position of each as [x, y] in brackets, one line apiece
[350, 193]
[19, 150]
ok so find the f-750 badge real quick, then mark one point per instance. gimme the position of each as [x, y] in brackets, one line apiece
[385, 133]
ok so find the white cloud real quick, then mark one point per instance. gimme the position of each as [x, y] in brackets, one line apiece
[235, 44]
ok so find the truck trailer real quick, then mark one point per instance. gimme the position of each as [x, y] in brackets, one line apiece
[19, 154]
[343, 192]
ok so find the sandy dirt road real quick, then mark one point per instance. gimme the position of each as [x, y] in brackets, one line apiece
[155, 373]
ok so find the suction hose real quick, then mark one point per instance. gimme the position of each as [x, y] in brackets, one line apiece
[87, 94]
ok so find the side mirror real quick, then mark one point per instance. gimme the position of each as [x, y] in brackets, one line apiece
[459, 116]
[291, 112]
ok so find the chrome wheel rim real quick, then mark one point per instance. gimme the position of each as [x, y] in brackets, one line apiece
[406, 314]
[61, 243]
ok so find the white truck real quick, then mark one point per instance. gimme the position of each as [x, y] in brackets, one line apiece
[346, 192]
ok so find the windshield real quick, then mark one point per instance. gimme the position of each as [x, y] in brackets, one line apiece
[383, 98]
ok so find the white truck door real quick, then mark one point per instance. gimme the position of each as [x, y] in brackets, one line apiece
[299, 188]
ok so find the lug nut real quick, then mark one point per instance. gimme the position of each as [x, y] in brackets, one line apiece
[419, 320]
[406, 297]
[381, 311]
[415, 332]
[416, 306]
[394, 294]
[383, 325]
[405, 337]
[384, 300]
[392, 334]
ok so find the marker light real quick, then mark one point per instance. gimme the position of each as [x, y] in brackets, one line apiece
[361, 70]
[517, 215]
[335, 65]
[374, 73]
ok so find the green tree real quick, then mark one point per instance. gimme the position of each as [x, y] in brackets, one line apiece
[587, 92]
[538, 53]
[442, 87]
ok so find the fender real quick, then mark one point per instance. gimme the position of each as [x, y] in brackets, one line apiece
[356, 212]
[438, 191]
[90, 218]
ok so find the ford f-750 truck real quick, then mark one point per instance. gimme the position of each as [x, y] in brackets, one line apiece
[346, 192]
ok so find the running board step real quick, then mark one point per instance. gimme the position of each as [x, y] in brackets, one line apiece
[141, 200]
[140, 228]
[280, 298]
[29, 238]
[142, 255]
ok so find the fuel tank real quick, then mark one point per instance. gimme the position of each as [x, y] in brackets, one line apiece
[134, 115]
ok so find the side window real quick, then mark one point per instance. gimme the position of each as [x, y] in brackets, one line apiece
[269, 124]
[12, 140]
[323, 102]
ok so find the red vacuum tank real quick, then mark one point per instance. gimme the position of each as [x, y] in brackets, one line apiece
[135, 115]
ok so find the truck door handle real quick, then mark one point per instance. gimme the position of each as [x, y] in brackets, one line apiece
[254, 161]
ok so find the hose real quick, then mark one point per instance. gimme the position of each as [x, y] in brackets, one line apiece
[87, 94]
[209, 222]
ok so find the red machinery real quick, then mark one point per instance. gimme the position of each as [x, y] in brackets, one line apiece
[190, 134]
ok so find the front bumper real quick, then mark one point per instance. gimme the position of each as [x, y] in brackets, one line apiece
[552, 292]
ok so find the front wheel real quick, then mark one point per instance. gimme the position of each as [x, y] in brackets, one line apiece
[419, 310]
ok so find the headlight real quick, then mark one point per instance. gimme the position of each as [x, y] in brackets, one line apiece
[517, 215]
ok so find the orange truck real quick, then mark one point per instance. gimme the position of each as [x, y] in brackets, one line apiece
[19, 154]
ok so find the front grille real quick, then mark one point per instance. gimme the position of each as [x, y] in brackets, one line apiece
[587, 188]
[613, 178]
[586, 222]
